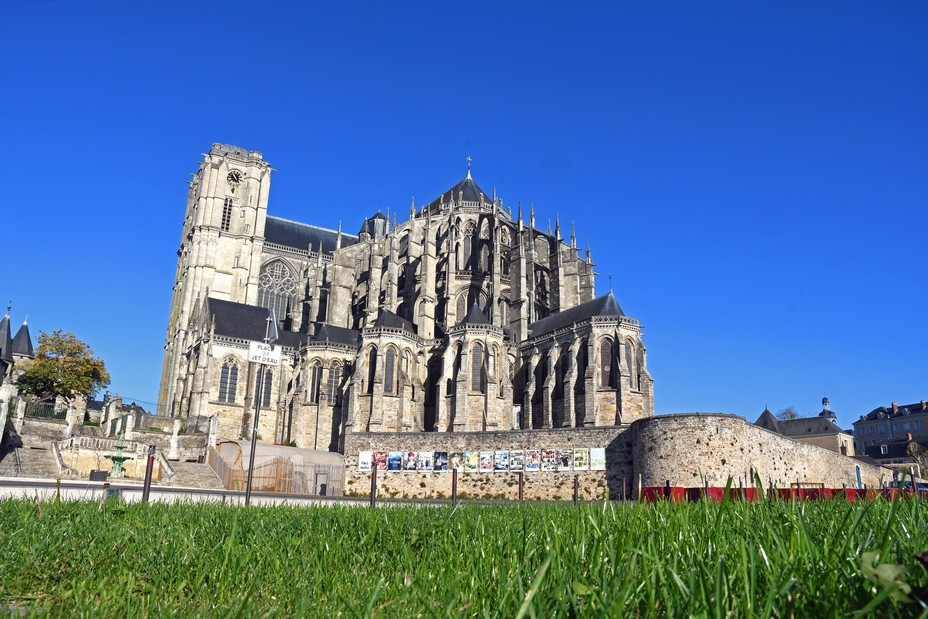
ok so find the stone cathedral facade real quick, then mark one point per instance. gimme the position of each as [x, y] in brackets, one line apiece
[461, 318]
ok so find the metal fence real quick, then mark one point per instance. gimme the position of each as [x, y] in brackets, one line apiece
[42, 410]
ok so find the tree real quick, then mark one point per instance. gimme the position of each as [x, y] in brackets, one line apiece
[63, 367]
[788, 413]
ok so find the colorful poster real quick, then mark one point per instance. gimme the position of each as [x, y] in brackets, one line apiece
[581, 459]
[441, 461]
[471, 461]
[365, 458]
[501, 461]
[532, 460]
[486, 461]
[410, 460]
[516, 460]
[597, 458]
[395, 461]
[456, 461]
[425, 462]
[380, 460]
[549, 459]
[565, 459]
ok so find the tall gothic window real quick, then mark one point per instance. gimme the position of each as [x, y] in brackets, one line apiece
[389, 371]
[607, 363]
[315, 379]
[226, 214]
[631, 360]
[276, 288]
[478, 374]
[265, 388]
[371, 369]
[335, 379]
[228, 381]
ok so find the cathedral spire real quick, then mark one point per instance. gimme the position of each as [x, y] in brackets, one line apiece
[557, 226]
[588, 259]
[531, 215]
[573, 236]
[412, 208]
[338, 236]
[549, 226]
[468, 167]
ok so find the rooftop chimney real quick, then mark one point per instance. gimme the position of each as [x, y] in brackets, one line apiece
[895, 407]
[924, 406]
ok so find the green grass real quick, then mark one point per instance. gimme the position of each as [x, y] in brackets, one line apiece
[813, 559]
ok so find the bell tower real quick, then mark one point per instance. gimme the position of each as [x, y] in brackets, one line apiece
[220, 250]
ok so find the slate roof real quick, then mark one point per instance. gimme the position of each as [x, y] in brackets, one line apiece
[389, 320]
[472, 193]
[338, 335]
[475, 316]
[22, 343]
[901, 411]
[247, 322]
[894, 450]
[803, 426]
[605, 305]
[301, 236]
[6, 340]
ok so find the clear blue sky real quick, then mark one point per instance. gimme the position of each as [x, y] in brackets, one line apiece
[753, 175]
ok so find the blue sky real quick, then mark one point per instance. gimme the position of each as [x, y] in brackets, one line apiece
[753, 176]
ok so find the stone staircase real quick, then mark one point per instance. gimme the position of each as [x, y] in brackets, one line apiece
[27, 462]
[195, 475]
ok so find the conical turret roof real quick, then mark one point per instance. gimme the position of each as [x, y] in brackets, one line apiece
[22, 343]
[6, 340]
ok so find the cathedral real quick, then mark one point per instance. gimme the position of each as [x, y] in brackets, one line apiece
[462, 318]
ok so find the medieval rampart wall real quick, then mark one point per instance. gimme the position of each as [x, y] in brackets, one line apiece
[688, 449]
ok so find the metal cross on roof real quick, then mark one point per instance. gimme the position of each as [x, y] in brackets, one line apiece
[468, 165]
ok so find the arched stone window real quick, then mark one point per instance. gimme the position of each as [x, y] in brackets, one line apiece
[276, 288]
[607, 363]
[389, 371]
[371, 369]
[315, 380]
[228, 381]
[468, 241]
[478, 373]
[631, 359]
[266, 383]
[335, 379]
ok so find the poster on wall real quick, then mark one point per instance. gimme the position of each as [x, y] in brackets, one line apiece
[532, 460]
[456, 461]
[425, 462]
[471, 461]
[501, 461]
[565, 459]
[597, 458]
[516, 460]
[395, 461]
[549, 459]
[410, 459]
[380, 460]
[441, 461]
[581, 459]
[365, 458]
[486, 461]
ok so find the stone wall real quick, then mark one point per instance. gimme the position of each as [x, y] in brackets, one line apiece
[538, 485]
[687, 449]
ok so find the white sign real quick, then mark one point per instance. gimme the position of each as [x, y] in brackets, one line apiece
[265, 354]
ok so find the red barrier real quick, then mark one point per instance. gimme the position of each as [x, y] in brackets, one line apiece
[651, 494]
